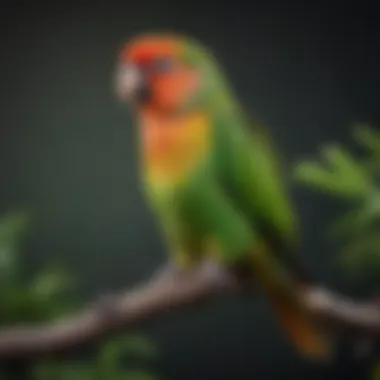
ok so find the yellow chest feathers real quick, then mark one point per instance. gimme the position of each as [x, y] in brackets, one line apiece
[171, 147]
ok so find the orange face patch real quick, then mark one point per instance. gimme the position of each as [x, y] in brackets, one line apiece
[170, 89]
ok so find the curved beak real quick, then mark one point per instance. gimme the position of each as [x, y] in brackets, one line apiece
[130, 82]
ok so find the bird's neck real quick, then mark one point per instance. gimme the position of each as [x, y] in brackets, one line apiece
[171, 145]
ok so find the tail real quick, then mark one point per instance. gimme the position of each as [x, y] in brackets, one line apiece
[301, 329]
[281, 288]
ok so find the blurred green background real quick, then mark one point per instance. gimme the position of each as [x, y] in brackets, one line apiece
[67, 154]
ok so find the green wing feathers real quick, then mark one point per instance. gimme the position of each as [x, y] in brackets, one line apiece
[250, 174]
[198, 217]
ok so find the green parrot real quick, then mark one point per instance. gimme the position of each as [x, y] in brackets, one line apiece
[212, 180]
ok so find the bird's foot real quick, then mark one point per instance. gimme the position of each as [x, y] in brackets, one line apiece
[243, 271]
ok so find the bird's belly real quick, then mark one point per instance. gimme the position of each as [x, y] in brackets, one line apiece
[191, 240]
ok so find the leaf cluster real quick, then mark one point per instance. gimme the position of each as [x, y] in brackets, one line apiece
[47, 295]
[340, 173]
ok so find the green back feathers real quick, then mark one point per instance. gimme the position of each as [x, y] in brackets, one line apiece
[216, 93]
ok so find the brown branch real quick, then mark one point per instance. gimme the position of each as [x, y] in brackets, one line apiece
[159, 295]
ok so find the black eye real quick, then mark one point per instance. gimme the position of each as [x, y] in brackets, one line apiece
[163, 64]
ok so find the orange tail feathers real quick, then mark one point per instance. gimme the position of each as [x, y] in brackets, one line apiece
[302, 330]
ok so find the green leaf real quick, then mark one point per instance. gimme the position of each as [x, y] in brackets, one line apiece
[50, 282]
[341, 175]
[368, 138]
[314, 174]
[12, 226]
[21, 306]
[111, 354]
[350, 176]
[139, 345]
[371, 207]
[113, 350]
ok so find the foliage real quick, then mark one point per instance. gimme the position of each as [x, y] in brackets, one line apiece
[356, 180]
[46, 296]
[106, 365]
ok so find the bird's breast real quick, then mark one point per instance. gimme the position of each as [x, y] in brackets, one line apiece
[170, 148]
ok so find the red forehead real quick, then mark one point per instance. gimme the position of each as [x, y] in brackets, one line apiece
[145, 49]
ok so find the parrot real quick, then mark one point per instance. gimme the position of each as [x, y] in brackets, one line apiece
[212, 178]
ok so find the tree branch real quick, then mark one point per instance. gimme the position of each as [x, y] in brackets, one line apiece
[161, 294]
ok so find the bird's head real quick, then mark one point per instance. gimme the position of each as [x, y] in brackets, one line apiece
[164, 72]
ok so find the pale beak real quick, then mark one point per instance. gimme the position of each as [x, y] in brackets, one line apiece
[130, 83]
